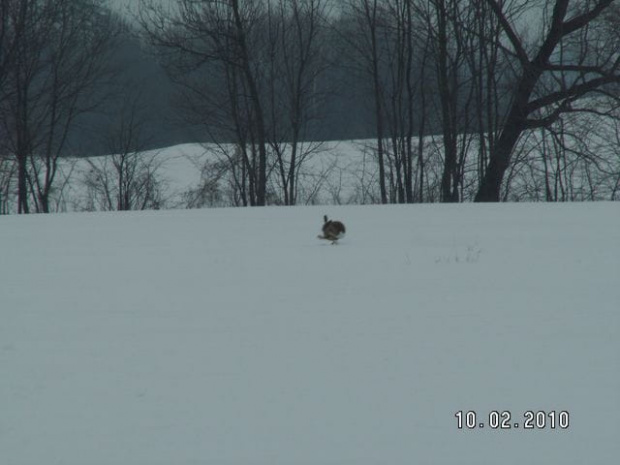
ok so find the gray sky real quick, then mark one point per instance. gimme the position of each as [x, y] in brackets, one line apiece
[128, 5]
[122, 5]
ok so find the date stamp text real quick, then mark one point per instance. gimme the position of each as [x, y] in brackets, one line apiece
[505, 420]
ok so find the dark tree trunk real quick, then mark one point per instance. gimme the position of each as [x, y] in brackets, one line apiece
[22, 185]
[379, 122]
[261, 187]
[490, 187]
[522, 108]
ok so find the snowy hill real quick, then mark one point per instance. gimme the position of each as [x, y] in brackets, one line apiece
[340, 172]
[234, 336]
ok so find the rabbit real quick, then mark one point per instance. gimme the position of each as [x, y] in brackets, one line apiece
[332, 230]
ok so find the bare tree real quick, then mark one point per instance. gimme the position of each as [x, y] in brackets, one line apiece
[12, 20]
[129, 177]
[124, 182]
[418, 57]
[448, 21]
[62, 55]
[223, 34]
[28, 27]
[574, 56]
[295, 39]
[365, 39]
[402, 96]
[489, 71]
[575, 159]
[250, 70]
[468, 74]
[13, 17]
[137, 185]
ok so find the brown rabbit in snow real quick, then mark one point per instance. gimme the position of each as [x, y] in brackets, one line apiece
[332, 230]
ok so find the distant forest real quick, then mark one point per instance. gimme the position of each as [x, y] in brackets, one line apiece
[344, 90]
[346, 110]
[78, 79]
[344, 94]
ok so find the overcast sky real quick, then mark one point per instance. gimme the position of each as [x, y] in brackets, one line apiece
[124, 4]
[132, 5]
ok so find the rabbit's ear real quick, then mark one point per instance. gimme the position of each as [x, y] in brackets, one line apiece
[324, 218]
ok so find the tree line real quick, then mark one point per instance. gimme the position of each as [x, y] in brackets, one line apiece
[265, 80]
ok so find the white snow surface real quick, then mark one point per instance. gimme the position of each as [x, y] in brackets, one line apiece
[235, 336]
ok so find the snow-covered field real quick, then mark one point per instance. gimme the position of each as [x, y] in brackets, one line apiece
[234, 336]
[337, 172]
